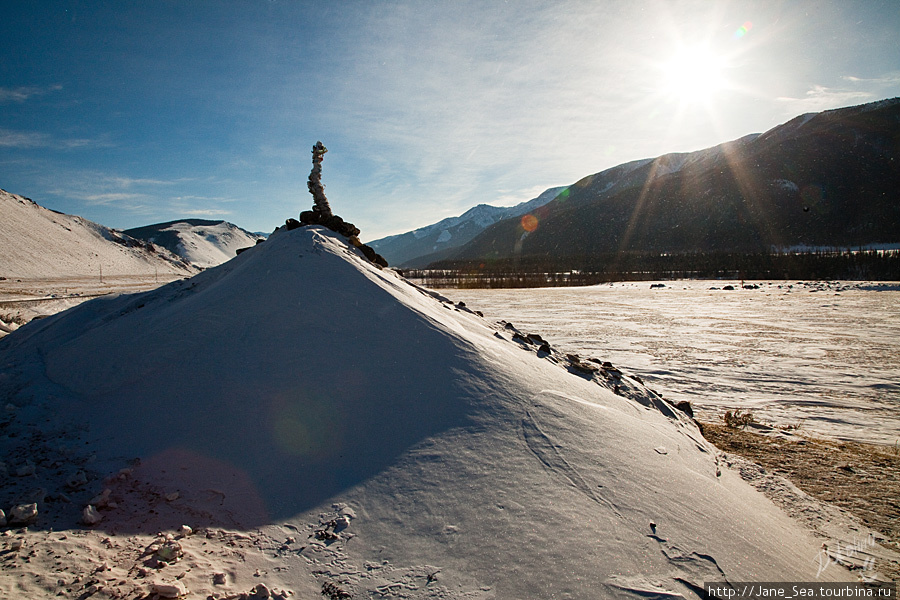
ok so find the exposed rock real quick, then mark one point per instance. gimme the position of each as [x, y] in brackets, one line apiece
[169, 551]
[90, 516]
[685, 407]
[77, 480]
[23, 514]
[101, 500]
[316, 188]
[169, 590]
[260, 591]
[2, 518]
[582, 367]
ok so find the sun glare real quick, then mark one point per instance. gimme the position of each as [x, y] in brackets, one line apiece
[693, 75]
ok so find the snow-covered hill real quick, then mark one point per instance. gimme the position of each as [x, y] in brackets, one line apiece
[325, 427]
[200, 242]
[453, 232]
[37, 242]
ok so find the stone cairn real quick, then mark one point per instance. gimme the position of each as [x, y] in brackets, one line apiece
[321, 211]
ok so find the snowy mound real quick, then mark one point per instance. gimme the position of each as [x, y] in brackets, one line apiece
[37, 242]
[200, 242]
[298, 378]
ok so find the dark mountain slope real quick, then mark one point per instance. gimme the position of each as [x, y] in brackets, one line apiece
[828, 179]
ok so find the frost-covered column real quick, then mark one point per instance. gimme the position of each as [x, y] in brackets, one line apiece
[320, 202]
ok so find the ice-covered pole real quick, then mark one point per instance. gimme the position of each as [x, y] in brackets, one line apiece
[320, 202]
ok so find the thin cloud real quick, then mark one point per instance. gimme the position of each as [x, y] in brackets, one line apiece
[206, 212]
[23, 93]
[23, 139]
[109, 198]
[890, 79]
[858, 90]
[27, 140]
[821, 98]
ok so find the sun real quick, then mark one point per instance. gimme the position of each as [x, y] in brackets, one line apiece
[693, 74]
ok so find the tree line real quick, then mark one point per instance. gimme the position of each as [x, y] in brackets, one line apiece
[549, 271]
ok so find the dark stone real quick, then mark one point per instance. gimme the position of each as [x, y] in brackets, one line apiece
[521, 338]
[293, 223]
[685, 407]
[373, 256]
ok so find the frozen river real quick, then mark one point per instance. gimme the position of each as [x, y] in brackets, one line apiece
[825, 356]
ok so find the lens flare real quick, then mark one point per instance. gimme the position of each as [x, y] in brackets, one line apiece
[529, 222]
[305, 424]
[742, 30]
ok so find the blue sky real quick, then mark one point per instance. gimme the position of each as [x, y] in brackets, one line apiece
[130, 113]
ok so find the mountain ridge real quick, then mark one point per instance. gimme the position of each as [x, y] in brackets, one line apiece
[38, 242]
[405, 249]
[202, 242]
[821, 179]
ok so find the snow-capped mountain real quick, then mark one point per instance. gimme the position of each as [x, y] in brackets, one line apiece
[301, 419]
[403, 249]
[37, 242]
[422, 246]
[201, 242]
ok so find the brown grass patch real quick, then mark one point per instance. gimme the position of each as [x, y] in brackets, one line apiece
[861, 478]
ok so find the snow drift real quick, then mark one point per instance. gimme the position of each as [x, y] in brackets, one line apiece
[298, 375]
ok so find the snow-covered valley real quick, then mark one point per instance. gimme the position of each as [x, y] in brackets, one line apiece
[821, 355]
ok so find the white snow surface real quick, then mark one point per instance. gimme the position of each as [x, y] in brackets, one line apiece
[211, 245]
[298, 384]
[822, 355]
[37, 242]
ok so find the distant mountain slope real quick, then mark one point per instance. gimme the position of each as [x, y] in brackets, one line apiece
[453, 232]
[201, 242]
[38, 242]
[826, 179]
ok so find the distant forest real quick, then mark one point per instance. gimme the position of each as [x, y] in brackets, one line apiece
[868, 265]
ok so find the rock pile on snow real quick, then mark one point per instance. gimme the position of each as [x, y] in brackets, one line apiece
[321, 211]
